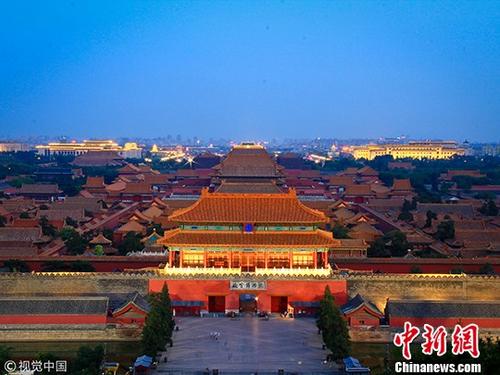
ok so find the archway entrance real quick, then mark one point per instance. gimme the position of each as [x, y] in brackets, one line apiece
[248, 303]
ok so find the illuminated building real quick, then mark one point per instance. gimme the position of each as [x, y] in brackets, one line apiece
[249, 246]
[13, 147]
[415, 150]
[129, 150]
[248, 232]
[248, 252]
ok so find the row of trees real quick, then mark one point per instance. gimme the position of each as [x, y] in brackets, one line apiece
[159, 326]
[333, 327]
[393, 243]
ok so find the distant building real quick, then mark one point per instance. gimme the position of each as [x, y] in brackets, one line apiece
[127, 151]
[415, 150]
[43, 192]
[13, 147]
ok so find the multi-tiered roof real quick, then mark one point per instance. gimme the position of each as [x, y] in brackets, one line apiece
[283, 208]
[248, 161]
[255, 210]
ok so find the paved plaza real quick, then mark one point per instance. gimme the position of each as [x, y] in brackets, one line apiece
[246, 345]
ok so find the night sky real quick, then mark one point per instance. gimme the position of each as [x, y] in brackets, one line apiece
[248, 70]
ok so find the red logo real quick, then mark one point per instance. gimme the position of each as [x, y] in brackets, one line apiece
[405, 338]
[465, 339]
[434, 340]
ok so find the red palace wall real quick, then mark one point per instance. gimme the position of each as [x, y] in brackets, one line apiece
[483, 323]
[53, 319]
[403, 265]
[295, 290]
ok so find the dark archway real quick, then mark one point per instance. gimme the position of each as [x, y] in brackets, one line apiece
[248, 303]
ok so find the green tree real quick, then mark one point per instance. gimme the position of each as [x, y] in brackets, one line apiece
[333, 327]
[47, 357]
[3, 221]
[157, 331]
[407, 205]
[340, 231]
[17, 182]
[489, 208]
[47, 228]
[66, 233]
[445, 230]
[487, 269]
[131, 242]
[397, 243]
[108, 233]
[5, 354]
[393, 243]
[99, 250]
[88, 360]
[378, 249]
[16, 265]
[71, 222]
[429, 217]
[76, 244]
[405, 216]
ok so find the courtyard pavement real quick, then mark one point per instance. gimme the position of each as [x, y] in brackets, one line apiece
[247, 345]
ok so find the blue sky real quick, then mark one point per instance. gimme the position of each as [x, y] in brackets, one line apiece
[256, 69]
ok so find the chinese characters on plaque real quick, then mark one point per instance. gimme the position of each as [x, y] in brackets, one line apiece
[247, 285]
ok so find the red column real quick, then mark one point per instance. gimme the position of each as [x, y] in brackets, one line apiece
[315, 259]
[205, 259]
[170, 258]
[265, 259]
[290, 258]
[229, 259]
[325, 259]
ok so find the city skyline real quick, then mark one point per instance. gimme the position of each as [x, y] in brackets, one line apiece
[251, 71]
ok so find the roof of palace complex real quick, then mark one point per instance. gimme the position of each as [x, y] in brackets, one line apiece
[282, 208]
[424, 309]
[53, 305]
[266, 187]
[248, 160]
[267, 239]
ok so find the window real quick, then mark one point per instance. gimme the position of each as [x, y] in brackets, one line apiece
[278, 260]
[193, 259]
[303, 260]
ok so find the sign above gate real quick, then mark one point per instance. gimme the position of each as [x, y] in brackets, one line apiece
[247, 285]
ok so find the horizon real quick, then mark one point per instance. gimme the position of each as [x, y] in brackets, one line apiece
[238, 70]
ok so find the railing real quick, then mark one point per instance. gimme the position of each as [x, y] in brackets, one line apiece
[214, 272]
[209, 271]
[294, 272]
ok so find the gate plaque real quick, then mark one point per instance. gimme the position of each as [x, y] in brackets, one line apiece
[247, 285]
